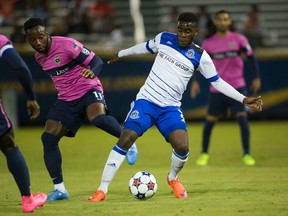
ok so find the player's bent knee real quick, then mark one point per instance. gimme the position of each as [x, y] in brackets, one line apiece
[7, 141]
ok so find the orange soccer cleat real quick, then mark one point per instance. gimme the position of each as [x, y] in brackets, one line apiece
[178, 189]
[98, 196]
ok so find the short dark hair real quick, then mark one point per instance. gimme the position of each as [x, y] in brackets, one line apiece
[222, 12]
[188, 17]
[33, 22]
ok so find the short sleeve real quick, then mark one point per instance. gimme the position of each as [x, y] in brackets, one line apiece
[207, 68]
[152, 45]
[245, 46]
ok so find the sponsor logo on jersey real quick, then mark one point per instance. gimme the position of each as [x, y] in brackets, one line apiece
[134, 114]
[57, 59]
[190, 53]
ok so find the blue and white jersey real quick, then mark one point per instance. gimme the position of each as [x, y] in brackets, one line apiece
[172, 69]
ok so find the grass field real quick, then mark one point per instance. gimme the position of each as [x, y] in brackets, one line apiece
[225, 187]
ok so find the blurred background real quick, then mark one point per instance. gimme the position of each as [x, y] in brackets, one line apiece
[105, 26]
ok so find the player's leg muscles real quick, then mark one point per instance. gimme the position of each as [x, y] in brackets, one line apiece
[15, 162]
[54, 131]
[96, 114]
[245, 131]
[179, 141]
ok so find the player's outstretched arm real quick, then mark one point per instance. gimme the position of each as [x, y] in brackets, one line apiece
[255, 103]
[114, 58]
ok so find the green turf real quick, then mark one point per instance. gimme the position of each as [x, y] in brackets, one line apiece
[225, 187]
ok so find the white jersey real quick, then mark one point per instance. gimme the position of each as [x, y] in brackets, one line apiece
[172, 69]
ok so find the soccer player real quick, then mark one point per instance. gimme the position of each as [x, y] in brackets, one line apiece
[73, 69]
[15, 160]
[225, 49]
[158, 101]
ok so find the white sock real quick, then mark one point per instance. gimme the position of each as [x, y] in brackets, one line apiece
[112, 165]
[60, 187]
[176, 166]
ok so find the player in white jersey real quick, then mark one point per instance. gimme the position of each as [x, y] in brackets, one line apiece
[158, 101]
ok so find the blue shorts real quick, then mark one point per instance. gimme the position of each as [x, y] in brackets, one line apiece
[219, 104]
[72, 114]
[144, 114]
[5, 123]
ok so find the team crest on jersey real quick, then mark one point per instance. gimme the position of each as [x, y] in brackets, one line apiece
[85, 51]
[190, 53]
[134, 114]
[231, 44]
[57, 59]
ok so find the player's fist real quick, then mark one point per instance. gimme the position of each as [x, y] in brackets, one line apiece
[255, 103]
[88, 74]
[114, 58]
[33, 109]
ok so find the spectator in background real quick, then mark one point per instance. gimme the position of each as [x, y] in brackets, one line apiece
[77, 18]
[59, 28]
[168, 22]
[116, 36]
[253, 26]
[6, 12]
[17, 36]
[38, 8]
[206, 27]
[100, 14]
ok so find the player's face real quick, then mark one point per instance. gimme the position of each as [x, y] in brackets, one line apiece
[223, 22]
[39, 39]
[186, 32]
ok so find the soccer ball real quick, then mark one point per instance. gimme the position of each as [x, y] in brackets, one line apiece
[143, 185]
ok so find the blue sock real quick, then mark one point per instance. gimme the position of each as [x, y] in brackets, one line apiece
[18, 168]
[208, 126]
[245, 133]
[108, 123]
[52, 157]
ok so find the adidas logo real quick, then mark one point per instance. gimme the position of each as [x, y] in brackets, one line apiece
[169, 42]
[111, 165]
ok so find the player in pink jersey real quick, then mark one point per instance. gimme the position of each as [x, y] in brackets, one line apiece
[73, 69]
[225, 48]
[15, 160]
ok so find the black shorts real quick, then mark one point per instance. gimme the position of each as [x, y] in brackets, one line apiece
[5, 123]
[72, 114]
[219, 104]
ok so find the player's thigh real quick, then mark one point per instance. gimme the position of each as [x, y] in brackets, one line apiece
[95, 102]
[237, 108]
[217, 105]
[65, 118]
[172, 126]
[140, 117]
[6, 131]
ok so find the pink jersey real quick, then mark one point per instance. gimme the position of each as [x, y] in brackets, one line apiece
[61, 63]
[226, 55]
[5, 44]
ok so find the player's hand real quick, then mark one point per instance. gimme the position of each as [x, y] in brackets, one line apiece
[114, 58]
[33, 109]
[256, 85]
[255, 103]
[195, 89]
[87, 74]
